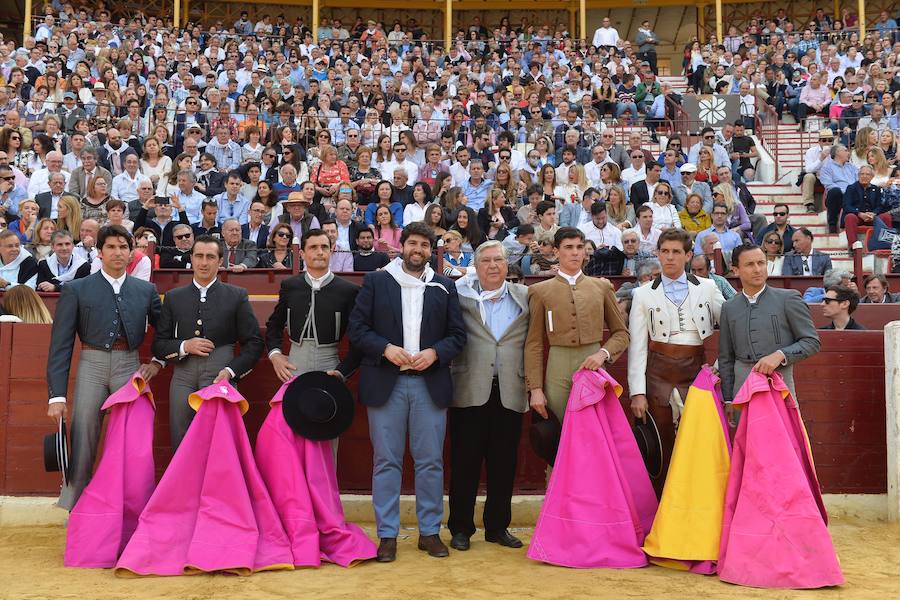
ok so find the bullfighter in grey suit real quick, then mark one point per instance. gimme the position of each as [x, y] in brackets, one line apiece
[762, 329]
[489, 397]
[109, 310]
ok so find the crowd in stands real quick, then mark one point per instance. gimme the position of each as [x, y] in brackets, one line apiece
[258, 131]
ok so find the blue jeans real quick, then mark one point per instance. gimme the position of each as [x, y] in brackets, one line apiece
[621, 107]
[408, 408]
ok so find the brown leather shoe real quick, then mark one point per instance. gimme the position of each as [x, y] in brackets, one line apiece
[387, 550]
[433, 545]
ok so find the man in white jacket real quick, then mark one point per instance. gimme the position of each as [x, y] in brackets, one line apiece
[669, 320]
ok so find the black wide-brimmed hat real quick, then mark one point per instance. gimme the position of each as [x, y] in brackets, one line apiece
[650, 445]
[56, 452]
[318, 406]
[544, 435]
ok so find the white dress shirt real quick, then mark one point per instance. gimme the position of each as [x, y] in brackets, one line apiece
[609, 236]
[124, 187]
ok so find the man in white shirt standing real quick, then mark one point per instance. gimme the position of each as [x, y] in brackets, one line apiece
[125, 184]
[606, 36]
[405, 382]
[812, 162]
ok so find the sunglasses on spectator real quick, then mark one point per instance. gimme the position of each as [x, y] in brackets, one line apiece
[829, 300]
[662, 193]
[779, 214]
[183, 236]
[283, 234]
[708, 137]
[774, 241]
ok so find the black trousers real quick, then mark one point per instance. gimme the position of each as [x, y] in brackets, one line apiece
[650, 57]
[490, 434]
[834, 202]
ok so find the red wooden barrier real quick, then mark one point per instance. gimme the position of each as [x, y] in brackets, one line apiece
[841, 392]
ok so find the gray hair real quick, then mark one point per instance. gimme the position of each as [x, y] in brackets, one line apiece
[89, 150]
[191, 176]
[58, 235]
[836, 148]
[835, 277]
[54, 175]
[487, 246]
[227, 221]
[182, 227]
[629, 233]
[647, 267]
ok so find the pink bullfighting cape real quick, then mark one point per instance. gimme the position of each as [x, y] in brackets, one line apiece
[300, 476]
[688, 525]
[775, 532]
[600, 502]
[211, 510]
[103, 520]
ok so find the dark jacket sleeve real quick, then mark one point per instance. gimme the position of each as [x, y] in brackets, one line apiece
[28, 269]
[852, 199]
[278, 318]
[44, 274]
[62, 341]
[452, 343]
[248, 335]
[165, 345]
[354, 356]
[251, 253]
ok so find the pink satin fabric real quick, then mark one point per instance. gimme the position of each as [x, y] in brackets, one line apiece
[600, 503]
[300, 476]
[775, 532]
[211, 511]
[105, 517]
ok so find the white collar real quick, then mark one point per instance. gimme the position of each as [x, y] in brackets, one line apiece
[316, 282]
[755, 296]
[204, 289]
[571, 279]
[114, 282]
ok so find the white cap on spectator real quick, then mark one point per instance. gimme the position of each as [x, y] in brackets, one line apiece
[688, 168]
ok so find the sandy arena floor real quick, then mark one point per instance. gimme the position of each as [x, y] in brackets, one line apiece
[31, 562]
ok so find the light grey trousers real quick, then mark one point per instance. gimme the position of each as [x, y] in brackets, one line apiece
[99, 374]
[191, 374]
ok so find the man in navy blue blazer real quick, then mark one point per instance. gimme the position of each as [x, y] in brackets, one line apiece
[803, 259]
[255, 230]
[408, 324]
